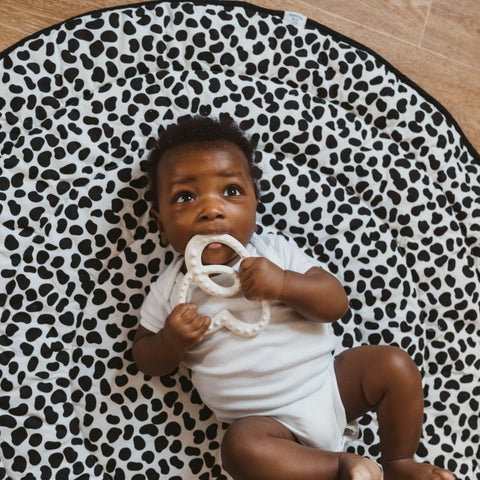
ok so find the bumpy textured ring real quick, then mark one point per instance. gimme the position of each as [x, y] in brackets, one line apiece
[199, 274]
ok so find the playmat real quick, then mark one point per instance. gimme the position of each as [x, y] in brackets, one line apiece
[364, 170]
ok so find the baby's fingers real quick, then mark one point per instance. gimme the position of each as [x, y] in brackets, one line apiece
[247, 263]
[249, 289]
[247, 267]
[201, 323]
[184, 310]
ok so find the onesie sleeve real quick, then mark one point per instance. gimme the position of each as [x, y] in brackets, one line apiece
[155, 309]
[289, 255]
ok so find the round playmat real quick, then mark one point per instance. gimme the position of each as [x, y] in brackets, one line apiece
[364, 170]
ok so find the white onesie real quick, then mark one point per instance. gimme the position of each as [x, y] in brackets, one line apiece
[285, 372]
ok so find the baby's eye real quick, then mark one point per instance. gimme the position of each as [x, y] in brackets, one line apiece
[183, 197]
[232, 191]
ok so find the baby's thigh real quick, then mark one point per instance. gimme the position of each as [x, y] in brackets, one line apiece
[263, 448]
[246, 430]
[249, 437]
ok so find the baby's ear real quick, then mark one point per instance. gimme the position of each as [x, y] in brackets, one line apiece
[154, 213]
[156, 216]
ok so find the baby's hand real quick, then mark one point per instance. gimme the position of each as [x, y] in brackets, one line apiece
[185, 327]
[261, 279]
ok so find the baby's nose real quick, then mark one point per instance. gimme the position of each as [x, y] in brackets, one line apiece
[211, 208]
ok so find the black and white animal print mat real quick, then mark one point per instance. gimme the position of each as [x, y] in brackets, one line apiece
[364, 170]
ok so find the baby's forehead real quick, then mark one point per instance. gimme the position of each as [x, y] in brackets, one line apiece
[204, 145]
[172, 157]
[187, 159]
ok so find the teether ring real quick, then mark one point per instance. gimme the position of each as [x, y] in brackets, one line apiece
[198, 274]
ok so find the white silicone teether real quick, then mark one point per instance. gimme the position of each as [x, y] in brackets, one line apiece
[198, 274]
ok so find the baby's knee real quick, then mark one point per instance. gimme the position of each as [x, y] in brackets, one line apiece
[230, 444]
[248, 443]
[401, 360]
[238, 444]
[401, 364]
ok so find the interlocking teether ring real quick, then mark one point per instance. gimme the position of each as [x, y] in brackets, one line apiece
[199, 274]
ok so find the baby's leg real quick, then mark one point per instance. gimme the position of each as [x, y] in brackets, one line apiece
[260, 448]
[386, 379]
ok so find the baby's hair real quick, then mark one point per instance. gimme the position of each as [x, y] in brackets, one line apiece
[196, 130]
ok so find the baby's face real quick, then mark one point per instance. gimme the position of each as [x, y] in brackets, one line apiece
[206, 188]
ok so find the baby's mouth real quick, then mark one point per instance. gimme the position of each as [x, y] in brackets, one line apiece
[214, 246]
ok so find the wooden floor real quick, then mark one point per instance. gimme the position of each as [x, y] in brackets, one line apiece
[436, 43]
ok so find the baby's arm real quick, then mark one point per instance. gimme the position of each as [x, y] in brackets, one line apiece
[316, 295]
[160, 353]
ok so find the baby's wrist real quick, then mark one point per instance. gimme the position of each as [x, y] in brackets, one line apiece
[175, 347]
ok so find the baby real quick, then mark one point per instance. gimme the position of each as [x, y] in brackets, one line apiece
[286, 397]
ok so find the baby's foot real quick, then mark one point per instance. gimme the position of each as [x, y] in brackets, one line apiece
[409, 469]
[355, 467]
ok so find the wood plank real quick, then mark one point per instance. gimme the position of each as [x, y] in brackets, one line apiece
[453, 30]
[20, 19]
[403, 19]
